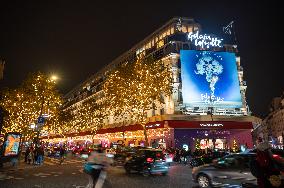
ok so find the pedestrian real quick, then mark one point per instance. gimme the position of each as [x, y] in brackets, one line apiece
[264, 167]
[96, 166]
[180, 155]
[27, 154]
[30, 157]
[35, 151]
[62, 152]
[40, 154]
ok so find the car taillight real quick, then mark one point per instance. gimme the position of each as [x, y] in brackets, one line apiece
[275, 156]
[150, 160]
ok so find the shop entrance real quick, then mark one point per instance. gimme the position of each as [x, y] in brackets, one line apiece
[209, 143]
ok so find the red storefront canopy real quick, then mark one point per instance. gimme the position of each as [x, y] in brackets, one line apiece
[177, 124]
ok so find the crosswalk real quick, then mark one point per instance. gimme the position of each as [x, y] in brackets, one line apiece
[53, 161]
[48, 161]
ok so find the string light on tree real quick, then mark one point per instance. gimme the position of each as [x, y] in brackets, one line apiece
[136, 87]
[197, 143]
[235, 145]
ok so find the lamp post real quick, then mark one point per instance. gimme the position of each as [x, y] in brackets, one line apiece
[41, 119]
[210, 112]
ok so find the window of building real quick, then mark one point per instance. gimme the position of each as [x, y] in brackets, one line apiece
[148, 45]
[162, 111]
[160, 43]
[153, 112]
[169, 32]
[153, 42]
[156, 39]
[184, 29]
[172, 30]
[189, 29]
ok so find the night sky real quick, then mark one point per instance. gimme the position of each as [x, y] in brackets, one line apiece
[75, 40]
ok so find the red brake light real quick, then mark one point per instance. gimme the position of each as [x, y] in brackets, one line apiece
[275, 156]
[150, 160]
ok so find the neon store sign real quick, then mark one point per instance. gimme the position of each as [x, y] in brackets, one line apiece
[204, 41]
[154, 125]
[211, 125]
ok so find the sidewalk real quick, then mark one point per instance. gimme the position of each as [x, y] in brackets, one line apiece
[19, 165]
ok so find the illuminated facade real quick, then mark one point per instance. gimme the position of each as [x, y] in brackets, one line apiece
[272, 127]
[176, 122]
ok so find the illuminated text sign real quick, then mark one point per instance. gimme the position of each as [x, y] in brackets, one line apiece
[204, 41]
[211, 125]
[154, 125]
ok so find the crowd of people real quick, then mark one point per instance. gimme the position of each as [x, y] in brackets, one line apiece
[34, 155]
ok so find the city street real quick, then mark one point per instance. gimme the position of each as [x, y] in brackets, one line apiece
[70, 175]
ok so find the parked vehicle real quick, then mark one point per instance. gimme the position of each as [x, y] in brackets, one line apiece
[147, 162]
[232, 169]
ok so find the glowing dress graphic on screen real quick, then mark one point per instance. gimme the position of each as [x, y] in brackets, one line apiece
[211, 68]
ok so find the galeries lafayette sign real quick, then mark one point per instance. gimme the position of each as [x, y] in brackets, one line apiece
[204, 40]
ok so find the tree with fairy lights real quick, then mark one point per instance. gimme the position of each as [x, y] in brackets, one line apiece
[35, 97]
[89, 115]
[133, 88]
[197, 144]
[235, 145]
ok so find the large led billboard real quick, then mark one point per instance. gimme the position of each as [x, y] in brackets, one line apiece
[210, 79]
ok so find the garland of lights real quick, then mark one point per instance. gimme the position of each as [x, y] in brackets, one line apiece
[134, 88]
[36, 96]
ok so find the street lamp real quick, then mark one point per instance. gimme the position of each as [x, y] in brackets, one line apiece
[40, 121]
[54, 77]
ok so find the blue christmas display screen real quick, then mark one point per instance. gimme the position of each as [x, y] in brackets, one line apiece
[210, 79]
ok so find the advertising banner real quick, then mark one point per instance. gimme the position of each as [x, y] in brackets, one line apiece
[210, 79]
[12, 144]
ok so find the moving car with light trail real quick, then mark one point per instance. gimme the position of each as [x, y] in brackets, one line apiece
[147, 162]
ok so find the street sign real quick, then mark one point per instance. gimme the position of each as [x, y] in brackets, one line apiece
[40, 120]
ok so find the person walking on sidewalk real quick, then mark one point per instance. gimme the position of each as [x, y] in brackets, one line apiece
[30, 156]
[27, 154]
[62, 154]
[40, 153]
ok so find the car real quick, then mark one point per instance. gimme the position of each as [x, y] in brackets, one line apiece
[147, 162]
[77, 150]
[169, 157]
[232, 169]
[206, 158]
[84, 153]
[122, 154]
[277, 156]
[54, 152]
[110, 152]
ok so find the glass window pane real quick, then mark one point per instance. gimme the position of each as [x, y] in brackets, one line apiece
[184, 29]
[172, 30]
